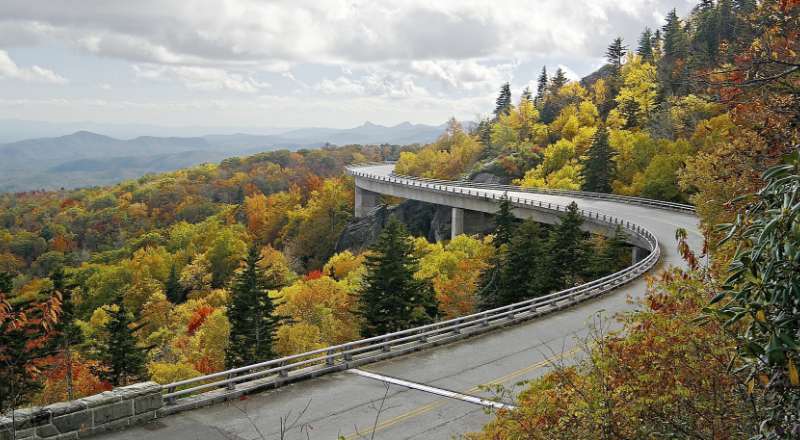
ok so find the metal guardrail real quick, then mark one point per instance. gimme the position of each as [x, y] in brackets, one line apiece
[343, 356]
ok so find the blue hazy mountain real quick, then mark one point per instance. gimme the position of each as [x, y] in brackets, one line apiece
[86, 158]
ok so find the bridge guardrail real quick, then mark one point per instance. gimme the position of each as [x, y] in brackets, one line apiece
[334, 358]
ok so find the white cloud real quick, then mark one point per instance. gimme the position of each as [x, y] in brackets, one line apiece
[465, 75]
[272, 34]
[376, 82]
[569, 73]
[202, 78]
[10, 69]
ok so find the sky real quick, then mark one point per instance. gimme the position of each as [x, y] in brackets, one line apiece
[295, 63]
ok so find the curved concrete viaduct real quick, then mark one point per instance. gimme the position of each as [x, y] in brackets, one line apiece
[431, 390]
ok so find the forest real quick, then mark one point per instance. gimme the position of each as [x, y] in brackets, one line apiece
[181, 274]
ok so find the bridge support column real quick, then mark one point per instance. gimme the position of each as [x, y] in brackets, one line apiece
[638, 254]
[457, 223]
[365, 202]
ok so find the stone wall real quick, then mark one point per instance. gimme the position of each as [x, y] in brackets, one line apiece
[85, 417]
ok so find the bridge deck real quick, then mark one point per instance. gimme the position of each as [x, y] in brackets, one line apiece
[346, 404]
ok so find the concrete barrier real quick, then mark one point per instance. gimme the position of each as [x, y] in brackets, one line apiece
[81, 418]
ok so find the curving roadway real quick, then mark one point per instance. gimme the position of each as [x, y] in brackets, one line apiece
[350, 405]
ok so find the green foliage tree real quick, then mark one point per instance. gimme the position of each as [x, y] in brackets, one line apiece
[673, 68]
[173, 289]
[505, 223]
[391, 298]
[558, 81]
[517, 271]
[645, 48]
[567, 250]
[526, 95]
[613, 255]
[503, 102]
[760, 300]
[121, 354]
[251, 315]
[614, 54]
[68, 334]
[599, 165]
[541, 86]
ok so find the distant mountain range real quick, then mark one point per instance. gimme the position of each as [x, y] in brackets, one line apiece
[84, 158]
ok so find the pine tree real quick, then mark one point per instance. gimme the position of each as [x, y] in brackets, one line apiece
[503, 101]
[505, 223]
[68, 334]
[645, 49]
[558, 81]
[567, 250]
[672, 70]
[615, 53]
[526, 95]
[520, 275]
[541, 87]
[598, 168]
[121, 354]
[630, 111]
[174, 291]
[392, 299]
[613, 256]
[251, 314]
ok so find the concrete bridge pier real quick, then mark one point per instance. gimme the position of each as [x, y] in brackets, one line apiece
[365, 201]
[638, 254]
[457, 223]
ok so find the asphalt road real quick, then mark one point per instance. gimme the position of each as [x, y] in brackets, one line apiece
[350, 406]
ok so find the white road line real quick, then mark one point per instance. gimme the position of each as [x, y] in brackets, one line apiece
[433, 390]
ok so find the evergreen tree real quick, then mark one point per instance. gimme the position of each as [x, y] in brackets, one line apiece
[505, 223]
[503, 101]
[645, 49]
[567, 250]
[174, 291]
[613, 255]
[526, 95]
[598, 168]
[672, 70]
[124, 359]
[614, 54]
[630, 110]
[541, 86]
[68, 333]
[392, 299]
[251, 314]
[519, 274]
[558, 81]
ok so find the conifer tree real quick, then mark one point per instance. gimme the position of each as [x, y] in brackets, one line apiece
[645, 48]
[614, 255]
[519, 269]
[505, 223]
[174, 291]
[526, 95]
[124, 359]
[672, 71]
[503, 101]
[598, 168]
[630, 111]
[392, 299]
[251, 314]
[558, 81]
[541, 86]
[615, 53]
[567, 250]
[68, 334]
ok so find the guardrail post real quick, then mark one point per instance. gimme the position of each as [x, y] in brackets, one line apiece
[283, 372]
[170, 400]
[230, 385]
[329, 360]
[386, 347]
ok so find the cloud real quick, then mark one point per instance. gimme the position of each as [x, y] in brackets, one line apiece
[10, 69]
[201, 78]
[274, 34]
[377, 82]
[465, 75]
